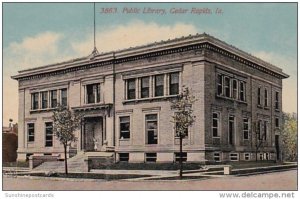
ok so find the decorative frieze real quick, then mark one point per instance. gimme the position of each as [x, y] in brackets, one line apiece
[158, 55]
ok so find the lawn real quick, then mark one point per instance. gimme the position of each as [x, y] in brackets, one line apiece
[242, 165]
[16, 164]
[88, 176]
[150, 166]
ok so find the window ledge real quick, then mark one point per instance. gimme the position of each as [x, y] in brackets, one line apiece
[277, 110]
[231, 99]
[124, 139]
[259, 106]
[216, 137]
[185, 138]
[91, 104]
[41, 110]
[267, 108]
[149, 99]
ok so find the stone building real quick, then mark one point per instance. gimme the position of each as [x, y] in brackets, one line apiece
[125, 99]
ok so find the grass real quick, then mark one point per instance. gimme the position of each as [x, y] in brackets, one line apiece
[150, 166]
[90, 176]
[252, 164]
[16, 164]
[186, 166]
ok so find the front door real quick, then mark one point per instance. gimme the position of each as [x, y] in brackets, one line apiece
[93, 133]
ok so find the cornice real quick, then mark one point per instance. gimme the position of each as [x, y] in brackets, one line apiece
[177, 45]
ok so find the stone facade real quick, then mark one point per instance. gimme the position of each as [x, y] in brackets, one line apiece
[117, 93]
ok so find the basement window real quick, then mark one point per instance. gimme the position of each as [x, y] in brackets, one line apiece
[124, 157]
[217, 157]
[151, 157]
[184, 156]
[247, 156]
[234, 157]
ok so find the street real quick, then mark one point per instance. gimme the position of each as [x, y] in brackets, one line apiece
[286, 180]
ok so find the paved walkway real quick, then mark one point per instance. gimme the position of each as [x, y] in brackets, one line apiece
[286, 180]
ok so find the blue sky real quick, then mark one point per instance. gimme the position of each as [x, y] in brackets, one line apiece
[42, 33]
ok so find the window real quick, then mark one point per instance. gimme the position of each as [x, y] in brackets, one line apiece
[151, 157]
[174, 83]
[44, 99]
[234, 157]
[184, 156]
[151, 129]
[231, 129]
[53, 98]
[30, 132]
[92, 93]
[145, 87]
[185, 133]
[220, 84]
[217, 157]
[242, 91]
[261, 156]
[277, 100]
[159, 85]
[231, 87]
[49, 134]
[259, 130]
[215, 124]
[247, 156]
[35, 101]
[124, 157]
[246, 128]
[64, 97]
[259, 96]
[227, 86]
[125, 127]
[265, 130]
[131, 89]
[266, 156]
[266, 97]
[235, 89]
[277, 122]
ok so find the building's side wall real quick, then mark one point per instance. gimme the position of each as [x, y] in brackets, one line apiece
[240, 110]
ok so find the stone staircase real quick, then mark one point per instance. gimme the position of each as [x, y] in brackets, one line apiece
[76, 163]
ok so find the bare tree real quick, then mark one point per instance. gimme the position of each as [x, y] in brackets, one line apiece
[183, 118]
[260, 137]
[66, 123]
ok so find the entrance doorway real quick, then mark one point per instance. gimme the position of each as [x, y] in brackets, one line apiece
[93, 133]
[277, 147]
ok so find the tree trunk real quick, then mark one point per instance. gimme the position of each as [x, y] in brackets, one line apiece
[66, 164]
[180, 157]
[256, 156]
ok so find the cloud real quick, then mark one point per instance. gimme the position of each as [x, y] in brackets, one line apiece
[41, 43]
[32, 51]
[51, 47]
[132, 34]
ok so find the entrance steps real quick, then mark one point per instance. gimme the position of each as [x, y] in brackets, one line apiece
[77, 163]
